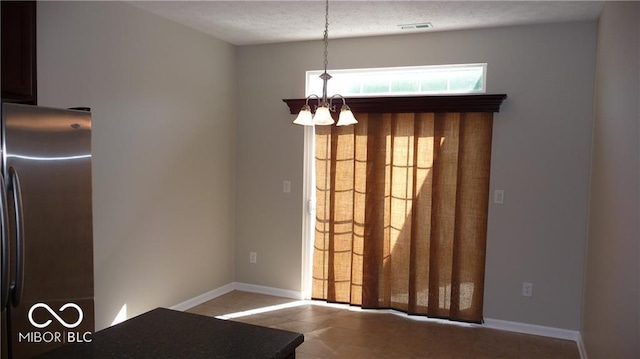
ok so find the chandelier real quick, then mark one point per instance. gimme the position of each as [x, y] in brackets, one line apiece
[325, 106]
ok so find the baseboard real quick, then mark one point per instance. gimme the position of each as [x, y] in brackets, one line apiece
[268, 290]
[244, 287]
[190, 303]
[532, 329]
[581, 348]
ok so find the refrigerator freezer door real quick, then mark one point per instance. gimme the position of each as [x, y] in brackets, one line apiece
[50, 150]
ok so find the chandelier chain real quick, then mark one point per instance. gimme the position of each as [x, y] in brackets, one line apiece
[326, 36]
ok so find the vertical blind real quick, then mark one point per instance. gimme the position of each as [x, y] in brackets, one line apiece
[401, 213]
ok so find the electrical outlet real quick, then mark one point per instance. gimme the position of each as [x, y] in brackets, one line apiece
[286, 186]
[253, 257]
[498, 196]
[527, 289]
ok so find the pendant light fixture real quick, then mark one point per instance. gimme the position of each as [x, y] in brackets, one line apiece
[325, 106]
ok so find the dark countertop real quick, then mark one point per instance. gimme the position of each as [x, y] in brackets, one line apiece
[165, 333]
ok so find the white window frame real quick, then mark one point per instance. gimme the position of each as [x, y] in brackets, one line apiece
[309, 216]
[344, 80]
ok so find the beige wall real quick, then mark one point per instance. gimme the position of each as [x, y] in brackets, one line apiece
[163, 148]
[541, 155]
[611, 319]
[170, 163]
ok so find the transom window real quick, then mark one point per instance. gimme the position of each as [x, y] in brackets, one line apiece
[402, 81]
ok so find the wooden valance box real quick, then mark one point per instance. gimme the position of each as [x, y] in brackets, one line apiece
[403, 104]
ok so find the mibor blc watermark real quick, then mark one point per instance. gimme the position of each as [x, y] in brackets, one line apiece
[44, 336]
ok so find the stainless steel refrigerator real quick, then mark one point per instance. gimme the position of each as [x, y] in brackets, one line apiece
[47, 233]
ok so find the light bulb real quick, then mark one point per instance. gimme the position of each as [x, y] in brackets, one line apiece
[304, 117]
[323, 116]
[346, 117]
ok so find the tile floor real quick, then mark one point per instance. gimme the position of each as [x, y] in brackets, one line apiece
[337, 332]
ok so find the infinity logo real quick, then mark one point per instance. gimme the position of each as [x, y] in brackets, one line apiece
[46, 324]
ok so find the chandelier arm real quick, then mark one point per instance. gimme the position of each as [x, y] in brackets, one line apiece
[344, 102]
[309, 98]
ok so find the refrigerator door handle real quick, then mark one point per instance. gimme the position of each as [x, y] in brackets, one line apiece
[4, 222]
[18, 285]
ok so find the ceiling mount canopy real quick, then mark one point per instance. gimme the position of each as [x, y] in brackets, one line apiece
[322, 115]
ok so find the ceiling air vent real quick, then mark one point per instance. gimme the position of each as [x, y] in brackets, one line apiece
[419, 25]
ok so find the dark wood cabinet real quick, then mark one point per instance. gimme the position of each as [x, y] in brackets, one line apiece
[19, 52]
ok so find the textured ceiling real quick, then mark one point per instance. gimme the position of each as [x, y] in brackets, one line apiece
[259, 22]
